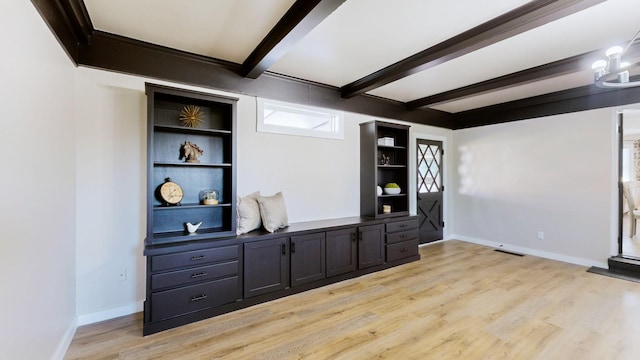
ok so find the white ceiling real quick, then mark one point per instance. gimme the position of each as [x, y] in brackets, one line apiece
[363, 36]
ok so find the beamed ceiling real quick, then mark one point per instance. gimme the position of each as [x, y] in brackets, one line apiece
[454, 63]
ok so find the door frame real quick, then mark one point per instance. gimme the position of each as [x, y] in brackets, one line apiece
[620, 140]
[617, 138]
[446, 179]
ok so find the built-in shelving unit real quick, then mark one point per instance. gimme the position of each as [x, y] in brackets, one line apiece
[383, 159]
[215, 169]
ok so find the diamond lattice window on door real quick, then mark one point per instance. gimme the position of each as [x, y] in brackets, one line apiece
[429, 178]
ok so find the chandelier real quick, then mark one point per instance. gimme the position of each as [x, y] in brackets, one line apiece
[614, 72]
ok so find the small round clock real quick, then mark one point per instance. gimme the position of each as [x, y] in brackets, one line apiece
[170, 192]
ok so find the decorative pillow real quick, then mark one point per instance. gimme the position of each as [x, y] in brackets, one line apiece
[248, 213]
[273, 212]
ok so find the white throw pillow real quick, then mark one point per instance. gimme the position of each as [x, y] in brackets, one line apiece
[248, 213]
[273, 212]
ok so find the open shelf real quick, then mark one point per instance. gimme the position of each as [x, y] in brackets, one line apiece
[188, 206]
[176, 163]
[188, 130]
[383, 164]
[392, 147]
[215, 139]
[176, 236]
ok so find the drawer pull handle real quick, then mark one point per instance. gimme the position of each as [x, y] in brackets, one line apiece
[403, 250]
[199, 297]
[284, 249]
[293, 248]
[196, 258]
[403, 225]
[403, 236]
[197, 275]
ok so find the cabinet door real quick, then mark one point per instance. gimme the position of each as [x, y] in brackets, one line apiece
[266, 266]
[307, 258]
[370, 246]
[342, 255]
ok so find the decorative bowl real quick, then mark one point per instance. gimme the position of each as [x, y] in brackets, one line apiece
[392, 191]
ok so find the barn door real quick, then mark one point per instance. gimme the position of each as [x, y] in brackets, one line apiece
[430, 189]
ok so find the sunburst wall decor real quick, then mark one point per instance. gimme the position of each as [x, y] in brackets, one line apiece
[191, 116]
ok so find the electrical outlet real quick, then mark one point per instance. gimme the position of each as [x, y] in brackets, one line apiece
[122, 275]
[540, 235]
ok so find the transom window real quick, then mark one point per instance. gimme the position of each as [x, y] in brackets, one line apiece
[292, 119]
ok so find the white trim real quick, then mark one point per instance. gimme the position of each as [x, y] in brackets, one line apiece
[532, 252]
[63, 346]
[109, 314]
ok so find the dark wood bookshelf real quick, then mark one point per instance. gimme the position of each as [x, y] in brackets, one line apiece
[216, 169]
[374, 172]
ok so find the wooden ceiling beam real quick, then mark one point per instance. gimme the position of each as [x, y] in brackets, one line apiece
[124, 55]
[582, 98]
[537, 73]
[69, 21]
[517, 21]
[297, 22]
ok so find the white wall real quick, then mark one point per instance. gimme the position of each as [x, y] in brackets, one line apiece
[111, 169]
[37, 232]
[551, 174]
[318, 177]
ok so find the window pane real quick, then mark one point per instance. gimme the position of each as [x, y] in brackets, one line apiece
[284, 118]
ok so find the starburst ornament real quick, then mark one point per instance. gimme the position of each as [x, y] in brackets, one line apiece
[191, 116]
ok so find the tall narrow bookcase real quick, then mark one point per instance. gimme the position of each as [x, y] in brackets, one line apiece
[384, 156]
[215, 169]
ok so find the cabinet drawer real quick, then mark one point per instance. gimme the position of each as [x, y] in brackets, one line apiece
[402, 236]
[194, 258]
[170, 303]
[402, 250]
[402, 225]
[193, 275]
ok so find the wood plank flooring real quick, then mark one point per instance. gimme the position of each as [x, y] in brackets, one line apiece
[460, 301]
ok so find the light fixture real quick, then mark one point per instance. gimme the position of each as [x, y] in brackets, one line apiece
[614, 73]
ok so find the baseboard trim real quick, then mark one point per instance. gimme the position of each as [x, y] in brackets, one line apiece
[109, 314]
[613, 274]
[65, 342]
[434, 242]
[533, 252]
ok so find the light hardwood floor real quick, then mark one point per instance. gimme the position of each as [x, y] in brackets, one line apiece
[460, 301]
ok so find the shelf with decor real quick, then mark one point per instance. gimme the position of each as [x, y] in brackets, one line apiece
[188, 130]
[191, 151]
[173, 163]
[187, 206]
[384, 162]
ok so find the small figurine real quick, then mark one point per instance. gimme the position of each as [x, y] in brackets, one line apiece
[192, 228]
[190, 152]
[384, 160]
